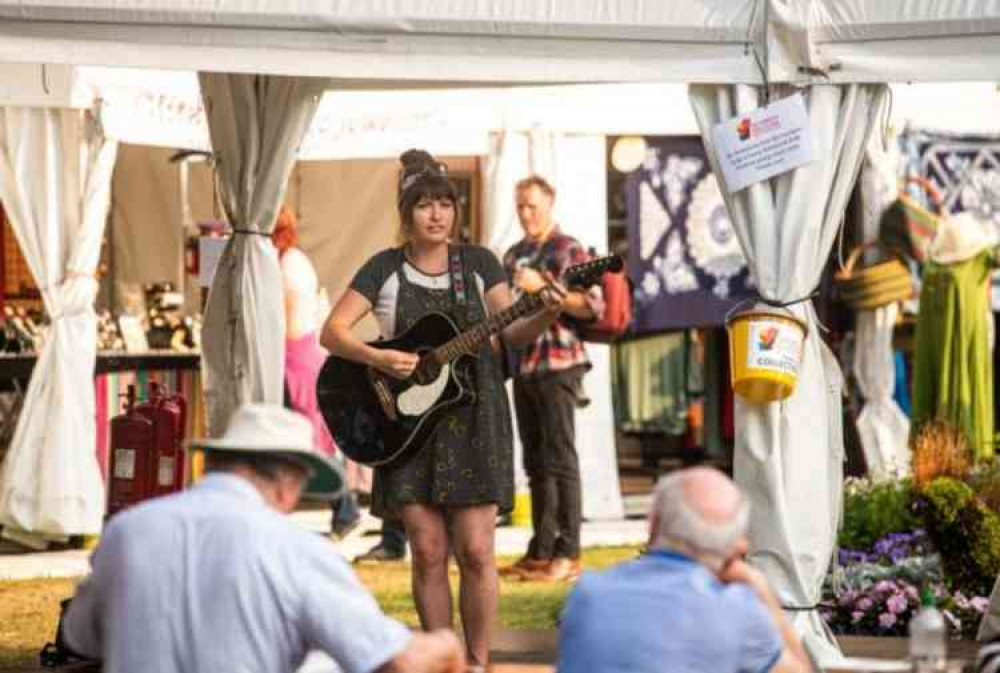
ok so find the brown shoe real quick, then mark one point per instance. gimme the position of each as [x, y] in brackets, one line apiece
[523, 565]
[558, 570]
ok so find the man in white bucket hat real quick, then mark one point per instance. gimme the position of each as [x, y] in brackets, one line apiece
[216, 578]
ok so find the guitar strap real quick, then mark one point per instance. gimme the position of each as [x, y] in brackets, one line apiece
[459, 289]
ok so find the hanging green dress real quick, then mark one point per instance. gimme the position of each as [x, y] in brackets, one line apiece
[953, 368]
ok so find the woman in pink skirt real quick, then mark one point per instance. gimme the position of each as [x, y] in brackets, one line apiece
[303, 355]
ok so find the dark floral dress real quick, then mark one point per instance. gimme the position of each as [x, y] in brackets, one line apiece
[468, 460]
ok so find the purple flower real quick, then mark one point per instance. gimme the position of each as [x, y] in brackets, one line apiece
[864, 603]
[885, 586]
[897, 603]
[857, 616]
[886, 620]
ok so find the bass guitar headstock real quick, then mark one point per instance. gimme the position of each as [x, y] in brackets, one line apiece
[589, 273]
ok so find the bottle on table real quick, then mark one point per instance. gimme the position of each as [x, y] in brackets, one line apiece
[928, 637]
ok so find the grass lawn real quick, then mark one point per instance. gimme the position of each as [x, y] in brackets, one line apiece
[29, 610]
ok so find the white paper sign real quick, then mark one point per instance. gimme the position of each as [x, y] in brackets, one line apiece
[124, 464]
[133, 334]
[165, 471]
[209, 252]
[763, 143]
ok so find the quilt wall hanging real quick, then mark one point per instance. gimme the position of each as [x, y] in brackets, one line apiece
[685, 260]
[965, 168]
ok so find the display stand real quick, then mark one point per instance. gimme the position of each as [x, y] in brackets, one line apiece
[113, 373]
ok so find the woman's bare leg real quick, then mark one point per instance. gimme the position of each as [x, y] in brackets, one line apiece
[473, 535]
[427, 531]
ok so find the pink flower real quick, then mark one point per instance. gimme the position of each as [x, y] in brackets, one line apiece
[912, 593]
[961, 601]
[979, 604]
[857, 616]
[864, 603]
[897, 604]
[886, 620]
[884, 586]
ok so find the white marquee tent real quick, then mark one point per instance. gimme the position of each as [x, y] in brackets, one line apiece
[371, 42]
[844, 50]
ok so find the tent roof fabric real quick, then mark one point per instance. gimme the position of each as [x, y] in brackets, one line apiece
[517, 41]
[509, 41]
[906, 40]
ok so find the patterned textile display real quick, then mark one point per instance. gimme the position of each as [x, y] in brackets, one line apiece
[685, 260]
[965, 168]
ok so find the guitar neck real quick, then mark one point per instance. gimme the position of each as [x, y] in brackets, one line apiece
[471, 339]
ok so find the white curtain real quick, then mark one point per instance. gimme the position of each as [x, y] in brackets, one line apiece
[507, 162]
[882, 425]
[581, 210]
[55, 183]
[514, 155]
[789, 455]
[574, 165]
[256, 123]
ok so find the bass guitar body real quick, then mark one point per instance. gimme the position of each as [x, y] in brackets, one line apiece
[377, 419]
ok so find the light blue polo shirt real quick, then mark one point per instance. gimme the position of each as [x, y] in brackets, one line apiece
[213, 580]
[665, 612]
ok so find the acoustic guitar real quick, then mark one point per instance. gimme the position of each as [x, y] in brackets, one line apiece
[377, 419]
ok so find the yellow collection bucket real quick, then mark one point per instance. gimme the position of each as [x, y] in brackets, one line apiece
[521, 516]
[765, 351]
[195, 466]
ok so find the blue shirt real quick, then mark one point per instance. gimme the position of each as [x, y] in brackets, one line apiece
[213, 579]
[665, 612]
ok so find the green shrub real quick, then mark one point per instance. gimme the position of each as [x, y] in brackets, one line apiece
[873, 510]
[965, 531]
[985, 481]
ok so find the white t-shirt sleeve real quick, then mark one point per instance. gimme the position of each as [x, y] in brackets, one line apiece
[297, 273]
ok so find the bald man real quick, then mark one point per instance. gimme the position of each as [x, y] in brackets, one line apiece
[691, 603]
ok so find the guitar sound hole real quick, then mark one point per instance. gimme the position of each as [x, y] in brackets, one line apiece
[426, 372]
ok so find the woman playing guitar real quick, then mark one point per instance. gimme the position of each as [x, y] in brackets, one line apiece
[450, 492]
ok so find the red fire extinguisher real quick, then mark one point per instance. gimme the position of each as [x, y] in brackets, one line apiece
[147, 454]
[169, 414]
[131, 450]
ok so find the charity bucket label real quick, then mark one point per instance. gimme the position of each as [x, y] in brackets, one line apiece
[775, 346]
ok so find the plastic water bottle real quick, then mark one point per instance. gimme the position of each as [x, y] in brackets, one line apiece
[928, 637]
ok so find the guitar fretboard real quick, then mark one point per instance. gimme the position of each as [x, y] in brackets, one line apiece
[470, 340]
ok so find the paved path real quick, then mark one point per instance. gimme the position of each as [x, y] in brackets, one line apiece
[510, 541]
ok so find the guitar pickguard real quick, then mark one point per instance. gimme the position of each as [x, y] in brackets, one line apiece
[417, 399]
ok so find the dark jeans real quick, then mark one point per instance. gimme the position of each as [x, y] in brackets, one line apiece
[346, 509]
[545, 418]
[394, 535]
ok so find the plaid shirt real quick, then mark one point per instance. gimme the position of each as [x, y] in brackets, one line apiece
[558, 348]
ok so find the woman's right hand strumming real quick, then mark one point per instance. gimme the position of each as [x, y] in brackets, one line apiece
[399, 364]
